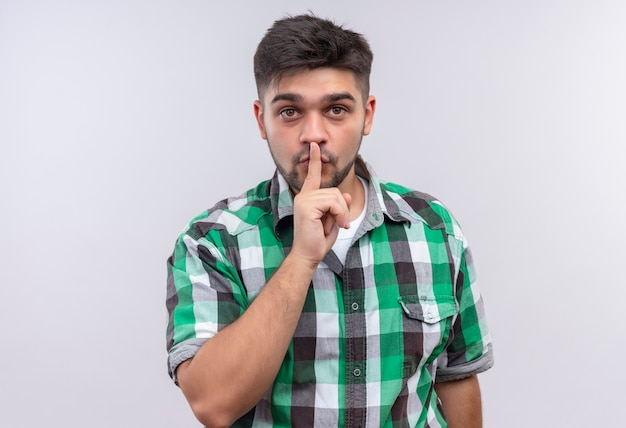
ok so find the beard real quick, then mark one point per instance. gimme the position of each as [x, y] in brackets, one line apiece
[294, 179]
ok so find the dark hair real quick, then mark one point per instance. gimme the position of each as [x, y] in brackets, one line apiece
[305, 42]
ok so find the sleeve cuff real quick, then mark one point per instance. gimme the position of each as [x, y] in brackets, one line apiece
[181, 353]
[484, 363]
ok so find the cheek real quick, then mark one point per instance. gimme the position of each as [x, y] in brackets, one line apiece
[351, 136]
[280, 150]
[278, 133]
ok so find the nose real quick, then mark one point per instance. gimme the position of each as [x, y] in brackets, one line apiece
[313, 129]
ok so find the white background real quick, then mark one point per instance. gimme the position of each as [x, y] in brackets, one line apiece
[121, 120]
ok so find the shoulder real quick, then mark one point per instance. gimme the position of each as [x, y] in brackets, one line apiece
[234, 214]
[419, 206]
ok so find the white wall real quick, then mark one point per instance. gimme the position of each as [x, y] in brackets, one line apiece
[120, 120]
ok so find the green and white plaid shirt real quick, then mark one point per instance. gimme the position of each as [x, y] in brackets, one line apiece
[375, 334]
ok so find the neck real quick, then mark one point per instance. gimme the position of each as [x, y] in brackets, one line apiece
[354, 187]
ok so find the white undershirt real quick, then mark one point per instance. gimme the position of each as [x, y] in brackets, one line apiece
[344, 239]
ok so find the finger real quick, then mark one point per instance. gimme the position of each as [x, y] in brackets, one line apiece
[328, 221]
[348, 198]
[345, 220]
[313, 178]
[339, 211]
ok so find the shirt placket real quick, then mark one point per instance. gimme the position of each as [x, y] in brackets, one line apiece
[355, 339]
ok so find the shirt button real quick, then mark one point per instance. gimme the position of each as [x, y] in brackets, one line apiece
[429, 315]
[355, 306]
[357, 372]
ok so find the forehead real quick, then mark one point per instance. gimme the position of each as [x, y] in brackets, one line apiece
[311, 85]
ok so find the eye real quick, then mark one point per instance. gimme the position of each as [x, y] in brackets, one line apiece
[337, 110]
[289, 113]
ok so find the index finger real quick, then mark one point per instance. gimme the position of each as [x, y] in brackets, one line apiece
[313, 178]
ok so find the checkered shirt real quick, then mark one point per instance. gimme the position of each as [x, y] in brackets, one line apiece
[375, 333]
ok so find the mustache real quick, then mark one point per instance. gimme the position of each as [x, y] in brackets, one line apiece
[304, 155]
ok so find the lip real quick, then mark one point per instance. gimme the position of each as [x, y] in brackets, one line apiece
[305, 159]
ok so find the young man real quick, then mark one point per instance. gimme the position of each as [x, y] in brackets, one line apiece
[324, 296]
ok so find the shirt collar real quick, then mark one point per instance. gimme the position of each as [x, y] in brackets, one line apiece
[386, 201]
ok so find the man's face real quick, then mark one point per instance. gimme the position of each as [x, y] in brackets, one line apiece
[324, 106]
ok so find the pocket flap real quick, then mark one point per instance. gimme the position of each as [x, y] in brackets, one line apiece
[430, 311]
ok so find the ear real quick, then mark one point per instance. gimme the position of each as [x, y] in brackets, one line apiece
[370, 108]
[258, 114]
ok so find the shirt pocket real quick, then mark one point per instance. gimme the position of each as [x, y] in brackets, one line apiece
[426, 328]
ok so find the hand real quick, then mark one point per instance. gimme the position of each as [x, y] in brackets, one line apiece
[318, 213]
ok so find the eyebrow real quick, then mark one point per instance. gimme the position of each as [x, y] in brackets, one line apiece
[287, 97]
[326, 99]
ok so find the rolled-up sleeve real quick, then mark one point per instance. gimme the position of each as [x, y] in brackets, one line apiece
[201, 297]
[470, 350]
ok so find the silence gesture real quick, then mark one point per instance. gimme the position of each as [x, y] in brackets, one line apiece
[318, 213]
